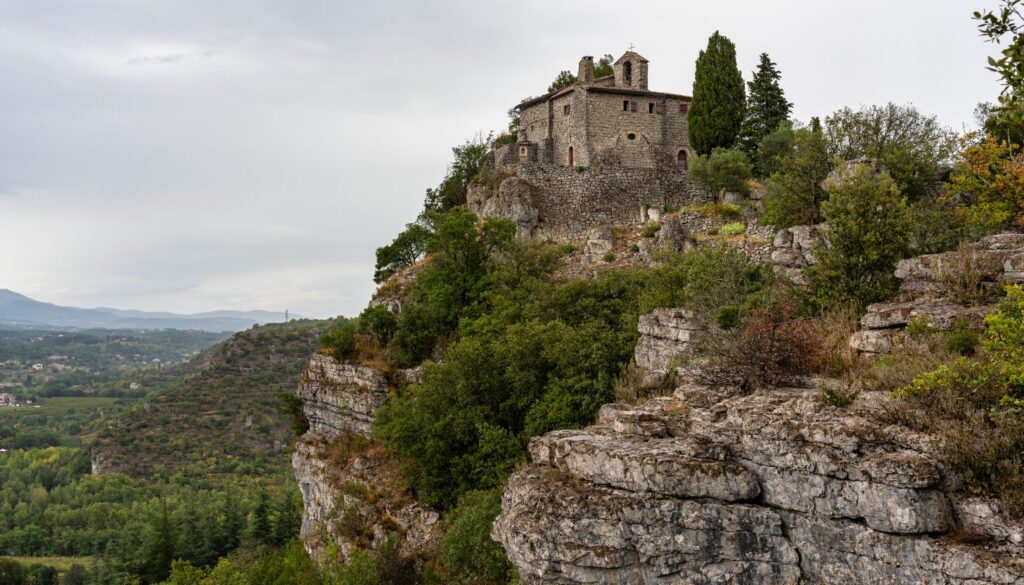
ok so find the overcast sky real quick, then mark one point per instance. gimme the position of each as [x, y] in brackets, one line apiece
[191, 155]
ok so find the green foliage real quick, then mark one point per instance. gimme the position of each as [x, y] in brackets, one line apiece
[868, 231]
[563, 80]
[767, 110]
[408, 247]
[776, 146]
[962, 339]
[794, 192]
[609, 257]
[936, 226]
[379, 323]
[732, 229]
[341, 342]
[977, 406]
[989, 179]
[467, 550]
[651, 229]
[725, 169]
[604, 66]
[706, 280]
[727, 317]
[912, 146]
[449, 287]
[452, 190]
[719, 98]
[1007, 119]
[291, 406]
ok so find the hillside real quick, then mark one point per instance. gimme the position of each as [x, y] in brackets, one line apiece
[17, 310]
[222, 418]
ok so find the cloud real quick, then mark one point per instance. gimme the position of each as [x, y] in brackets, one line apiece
[247, 154]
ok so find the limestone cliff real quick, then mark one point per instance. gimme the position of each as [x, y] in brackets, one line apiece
[351, 492]
[771, 487]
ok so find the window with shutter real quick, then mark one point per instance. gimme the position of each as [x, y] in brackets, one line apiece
[632, 106]
[660, 109]
[566, 108]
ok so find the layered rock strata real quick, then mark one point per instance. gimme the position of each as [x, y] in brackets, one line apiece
[772, 487]
[943, 290]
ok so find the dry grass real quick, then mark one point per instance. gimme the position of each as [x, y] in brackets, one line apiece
[970, 278]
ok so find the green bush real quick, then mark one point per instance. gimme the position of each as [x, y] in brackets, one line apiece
[341, 342]
[378, 323]
[962, 339]
[976, 405]
[651, 229]
[725, 169]
[775, 147]
[468, 553]
[794, 191]
[868, 231]
[609, 257]
[727, 317]
[912, 146]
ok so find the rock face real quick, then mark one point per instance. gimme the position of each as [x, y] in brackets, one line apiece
[665, 334]
[928, 284]
[793, 250]
[513, 201]
[772, 487]
[345, 481]
[339, 397]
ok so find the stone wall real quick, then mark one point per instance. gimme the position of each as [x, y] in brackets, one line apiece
[568, 203]
[657, 136]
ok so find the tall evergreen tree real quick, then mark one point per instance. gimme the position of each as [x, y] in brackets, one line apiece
[766, 107]
[259, 519]
[719, 98]
[161, 546]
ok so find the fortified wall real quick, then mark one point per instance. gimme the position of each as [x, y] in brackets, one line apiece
[560, 203]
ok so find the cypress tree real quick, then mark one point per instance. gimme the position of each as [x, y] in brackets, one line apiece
[767, 107]
[719, 99]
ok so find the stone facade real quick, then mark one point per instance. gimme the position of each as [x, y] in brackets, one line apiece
[608, 120]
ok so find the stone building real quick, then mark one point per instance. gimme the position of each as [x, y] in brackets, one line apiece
[610, 121]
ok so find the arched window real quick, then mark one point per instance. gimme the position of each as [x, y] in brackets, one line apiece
[627, 72]
[682, 162]
[572, 158]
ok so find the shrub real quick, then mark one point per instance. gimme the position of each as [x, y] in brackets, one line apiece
[775, 344]
[468, 553]
[794, 191]
[911, 145]
[408, 247]
[868, 227]
[962, 339]
[727, 317]
[775, 147]
[725, 169]
[718, 210]
[339, 343]
[836, 396]
[567, 249]
[976, 405]
[936, 226]
[635, 248]
[732, 229]
[378, 323]
[651, 229]
[990, 175]
[609, 257]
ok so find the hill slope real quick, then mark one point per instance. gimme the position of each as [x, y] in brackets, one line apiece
[220, 418]
[18, 310]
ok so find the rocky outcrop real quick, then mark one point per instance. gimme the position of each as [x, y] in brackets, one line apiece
[665, 336]
[600, 242]
[943, 290]
[352, 492]
[513, 201]
[339, 398]
[354, 502]
[710, 487]
[793, 250]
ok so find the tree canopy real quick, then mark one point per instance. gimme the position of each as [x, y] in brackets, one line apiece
[719, 99]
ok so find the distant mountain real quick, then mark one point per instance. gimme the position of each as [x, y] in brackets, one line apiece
[17, 310]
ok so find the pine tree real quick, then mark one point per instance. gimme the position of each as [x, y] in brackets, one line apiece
[259, 519]
[719, 100]
[287, 519]
[161, 545]
[767, 107]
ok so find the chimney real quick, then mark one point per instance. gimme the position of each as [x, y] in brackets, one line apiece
[586, 73]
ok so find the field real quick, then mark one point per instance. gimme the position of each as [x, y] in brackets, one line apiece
[58, 403]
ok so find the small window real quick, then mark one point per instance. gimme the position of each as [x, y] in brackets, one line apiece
[625, 105]
[566, 108]
[650, 108]
[631, 136]
[632, 106]
[659, 109]
[572, 157]
[523, 151]
[684, 108]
